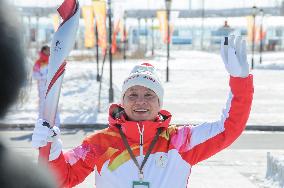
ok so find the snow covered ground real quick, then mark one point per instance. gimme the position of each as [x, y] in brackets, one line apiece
[197, 90]
[275, 170]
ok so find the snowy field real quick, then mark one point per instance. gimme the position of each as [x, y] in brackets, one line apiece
[197, 90]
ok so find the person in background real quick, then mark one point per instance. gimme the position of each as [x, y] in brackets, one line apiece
[16, 170]
[226, 25]
[140, 148]
[226, 29]
[40, 70]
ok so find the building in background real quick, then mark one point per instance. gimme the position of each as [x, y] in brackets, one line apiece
[39, 24]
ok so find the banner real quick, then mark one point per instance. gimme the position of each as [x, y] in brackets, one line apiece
[88, 16]
[116, 20]
[56, 20]
[250, 28]
[100, 16]
[258, 34]
[162, 17]
[114, 34]
[122, 31]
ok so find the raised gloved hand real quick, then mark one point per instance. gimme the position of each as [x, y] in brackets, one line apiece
[234, 55]
[42, 134]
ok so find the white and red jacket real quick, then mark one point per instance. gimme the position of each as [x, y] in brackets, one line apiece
[40, 67]
[176, 151]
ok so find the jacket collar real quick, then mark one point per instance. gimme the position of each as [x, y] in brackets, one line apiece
[117, 117]
[43, 57]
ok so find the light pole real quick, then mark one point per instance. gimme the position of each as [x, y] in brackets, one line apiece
[124, 35]
[168, 7]
[152, 36]
[254, 10]
[202, 24]
[110, 54]
[146, 35]
[97, 51]
[260, 34]
[138, 33]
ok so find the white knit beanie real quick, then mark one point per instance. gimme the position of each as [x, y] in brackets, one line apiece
[144, 75]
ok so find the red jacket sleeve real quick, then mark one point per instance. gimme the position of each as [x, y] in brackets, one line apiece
[71, 168]
[197, 143]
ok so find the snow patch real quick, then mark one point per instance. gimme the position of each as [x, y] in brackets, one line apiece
[275, 170]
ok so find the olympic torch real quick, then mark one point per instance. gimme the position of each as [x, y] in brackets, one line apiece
[62, 43]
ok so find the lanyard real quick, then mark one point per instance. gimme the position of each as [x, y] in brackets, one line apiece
[154, 141]
[141, 138]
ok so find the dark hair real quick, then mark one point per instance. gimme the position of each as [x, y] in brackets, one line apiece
[12, 63]
[45, 47]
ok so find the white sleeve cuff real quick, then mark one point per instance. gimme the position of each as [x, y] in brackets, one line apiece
[55, 150]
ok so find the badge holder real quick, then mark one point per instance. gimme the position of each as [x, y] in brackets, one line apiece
[140, 184]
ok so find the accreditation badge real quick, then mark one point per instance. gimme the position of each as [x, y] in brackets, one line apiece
[140, 184]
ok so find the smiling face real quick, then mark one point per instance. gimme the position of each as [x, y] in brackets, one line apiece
[140, 104]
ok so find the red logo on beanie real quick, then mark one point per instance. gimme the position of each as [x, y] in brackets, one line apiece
[147, 64]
